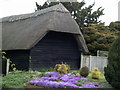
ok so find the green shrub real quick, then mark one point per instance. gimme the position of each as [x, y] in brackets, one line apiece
[75, 72]
[112, 71]
[84, 71]
[95, 73]
[62, 68]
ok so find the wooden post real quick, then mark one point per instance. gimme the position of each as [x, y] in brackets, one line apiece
[1, 73]
[7, 66]
[30, 63]
[90, 62]
[81, 61]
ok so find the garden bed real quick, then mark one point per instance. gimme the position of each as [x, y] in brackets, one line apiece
[56, 80]
[20, 79]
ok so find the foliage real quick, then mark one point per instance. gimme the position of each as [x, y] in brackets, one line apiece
[115, 26]
[57, 80]
[3, 55]
[84, 71]
[75, 72]
[112, 71]
[99, 37]
[83, 15]
[95, 73]
[62, 68]
[103, 53]
[101, 78]
[12, 65]
[18, 79]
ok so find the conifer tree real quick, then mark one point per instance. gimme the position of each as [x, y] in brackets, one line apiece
[112, 71]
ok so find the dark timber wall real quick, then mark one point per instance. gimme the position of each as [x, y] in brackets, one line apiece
[20, 58]
[55, 48]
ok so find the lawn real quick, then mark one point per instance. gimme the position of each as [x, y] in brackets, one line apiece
[20, 79]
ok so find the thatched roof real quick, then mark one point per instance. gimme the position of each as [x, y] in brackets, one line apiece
[25, 31]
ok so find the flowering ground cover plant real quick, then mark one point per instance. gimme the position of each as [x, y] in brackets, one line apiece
[57, 80]
[20, 79]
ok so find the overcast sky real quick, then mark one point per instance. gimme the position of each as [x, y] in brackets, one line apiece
[15, 7]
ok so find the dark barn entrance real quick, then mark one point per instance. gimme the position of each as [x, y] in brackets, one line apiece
[54, 48]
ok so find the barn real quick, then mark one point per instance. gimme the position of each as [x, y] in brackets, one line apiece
[42, 39]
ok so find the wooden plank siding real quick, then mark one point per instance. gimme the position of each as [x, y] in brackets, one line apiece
[20, 58]
[55, 48]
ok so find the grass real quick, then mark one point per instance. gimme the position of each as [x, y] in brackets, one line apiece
[45, 70]
[19, 79]
[100, 80]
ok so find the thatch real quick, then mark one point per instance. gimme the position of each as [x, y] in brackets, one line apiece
[25, 31]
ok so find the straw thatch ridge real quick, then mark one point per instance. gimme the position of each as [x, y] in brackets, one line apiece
[25, 31]
[58, 8]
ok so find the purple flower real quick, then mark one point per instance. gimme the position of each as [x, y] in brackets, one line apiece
[34, 82]
[64, 78]
[44, 78]
[84, 79]
[48, 74]
[89, 85]
[31, 82]
[62, 84]
[54, 79]
[67, 84]
[72, 81]
[55, 84]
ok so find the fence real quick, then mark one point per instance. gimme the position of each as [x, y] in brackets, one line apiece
[94, 61]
